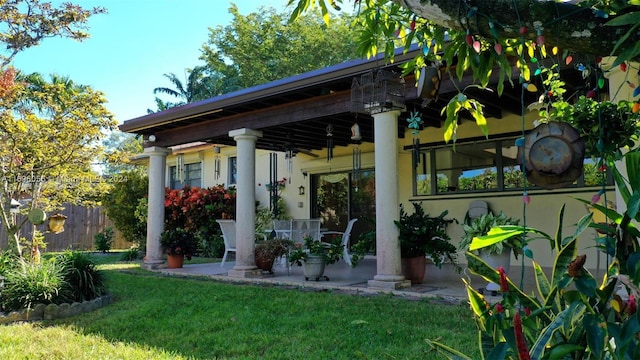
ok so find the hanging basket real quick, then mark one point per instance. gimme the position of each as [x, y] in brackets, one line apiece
[553, 155]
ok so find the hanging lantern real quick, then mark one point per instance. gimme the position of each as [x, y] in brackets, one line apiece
[329, 142]
[56, 223]
[429, 83]
[355, 132]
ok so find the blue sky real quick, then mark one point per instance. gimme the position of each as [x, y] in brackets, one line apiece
[133, 45]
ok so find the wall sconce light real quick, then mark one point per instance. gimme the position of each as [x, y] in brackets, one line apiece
[152, 138]
[301, 190]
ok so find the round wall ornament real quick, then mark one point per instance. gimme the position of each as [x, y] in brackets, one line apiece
[553, 155]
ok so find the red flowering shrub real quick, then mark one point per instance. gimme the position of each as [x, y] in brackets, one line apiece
[196, 209]
[193, 208]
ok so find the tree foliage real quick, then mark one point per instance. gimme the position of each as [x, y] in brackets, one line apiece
[263, 46]
[25, 23]
[50, 131]
[122, 201]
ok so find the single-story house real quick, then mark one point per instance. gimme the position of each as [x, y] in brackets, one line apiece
[315, 131]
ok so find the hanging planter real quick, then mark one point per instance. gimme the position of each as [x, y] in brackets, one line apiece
[552, 155]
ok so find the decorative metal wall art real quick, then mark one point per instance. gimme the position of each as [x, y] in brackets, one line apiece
[552, 155]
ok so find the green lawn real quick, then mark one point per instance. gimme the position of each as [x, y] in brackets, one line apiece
[157, 317]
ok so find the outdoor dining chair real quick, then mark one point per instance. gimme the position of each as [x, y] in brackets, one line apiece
[346, 238]
[228, 228]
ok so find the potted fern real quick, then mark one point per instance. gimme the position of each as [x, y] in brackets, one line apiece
[498, 254]
[422, 235]
[315, 255]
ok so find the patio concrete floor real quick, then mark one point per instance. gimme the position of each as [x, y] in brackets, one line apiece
[445, 283]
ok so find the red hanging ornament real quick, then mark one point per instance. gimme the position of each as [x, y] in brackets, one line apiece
[476, 46]
[469, 39]
[412, 26]
[568, 59]
[523, 30]
[623, 66]
[590, 94]
[498, 48]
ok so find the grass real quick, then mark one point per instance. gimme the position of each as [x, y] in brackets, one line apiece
[158, 317]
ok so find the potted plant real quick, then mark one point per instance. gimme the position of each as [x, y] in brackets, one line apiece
[178, 244]
[314, 255]
[498, 254]
[268, 250]
[423, 235]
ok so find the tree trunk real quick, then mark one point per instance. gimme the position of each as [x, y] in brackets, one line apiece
[565, 25]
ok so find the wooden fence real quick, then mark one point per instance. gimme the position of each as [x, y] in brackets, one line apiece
[79, 229]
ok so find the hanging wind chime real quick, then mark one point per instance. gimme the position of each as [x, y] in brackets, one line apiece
[180, 171]
[415, 123]
[273, 183]
[329, 142]
[356, 153]
[216, 162]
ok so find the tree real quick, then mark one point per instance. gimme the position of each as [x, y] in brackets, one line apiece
[25, 23]
[120, 147]
[263, 46]
[122, 201]
[50, 133]
[585, 27]
[49, 130]
[487, 37]
[202, 83]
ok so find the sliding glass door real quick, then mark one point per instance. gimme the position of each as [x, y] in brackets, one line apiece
[339, 197]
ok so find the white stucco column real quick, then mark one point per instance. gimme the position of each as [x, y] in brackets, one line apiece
[389, 272]
[619, 89]
[245, 203]
[155, 213]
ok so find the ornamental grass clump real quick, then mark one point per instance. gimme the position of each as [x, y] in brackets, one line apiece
[27, 284]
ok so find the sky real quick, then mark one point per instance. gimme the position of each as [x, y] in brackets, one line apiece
[132, 46]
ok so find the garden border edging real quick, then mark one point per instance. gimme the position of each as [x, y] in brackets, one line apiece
[55, 311]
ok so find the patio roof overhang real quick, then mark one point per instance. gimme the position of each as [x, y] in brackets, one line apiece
[295, 112]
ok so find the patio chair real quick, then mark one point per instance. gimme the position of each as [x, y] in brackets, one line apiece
[281, 229]
[301, 228]
[346, 238]
[228, 228]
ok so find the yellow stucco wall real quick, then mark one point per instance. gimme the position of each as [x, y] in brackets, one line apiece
[542, 213]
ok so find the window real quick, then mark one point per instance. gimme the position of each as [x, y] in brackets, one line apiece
[233, 170]
[192, 176]
[479, 166]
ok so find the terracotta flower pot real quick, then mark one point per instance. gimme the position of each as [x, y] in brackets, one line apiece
[175, 261]
[413, 268]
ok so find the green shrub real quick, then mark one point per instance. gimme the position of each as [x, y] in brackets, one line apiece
[132, 254]
[211, 246]
[85, 282]
[104, 239]
[7, 260]
[28, 284]
[121, 204]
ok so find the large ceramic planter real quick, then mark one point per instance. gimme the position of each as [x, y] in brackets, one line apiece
[495, 261]
[314, 268]
[413, 268]
[175, 261]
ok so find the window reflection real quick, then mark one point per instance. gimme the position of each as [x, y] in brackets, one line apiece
[481, 166]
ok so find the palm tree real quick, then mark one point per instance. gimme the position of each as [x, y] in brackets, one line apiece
[202, 83]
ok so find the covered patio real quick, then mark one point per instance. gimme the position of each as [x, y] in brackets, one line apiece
[291, 116]
[444, 283]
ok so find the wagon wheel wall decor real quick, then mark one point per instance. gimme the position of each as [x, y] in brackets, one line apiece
[553, 155]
